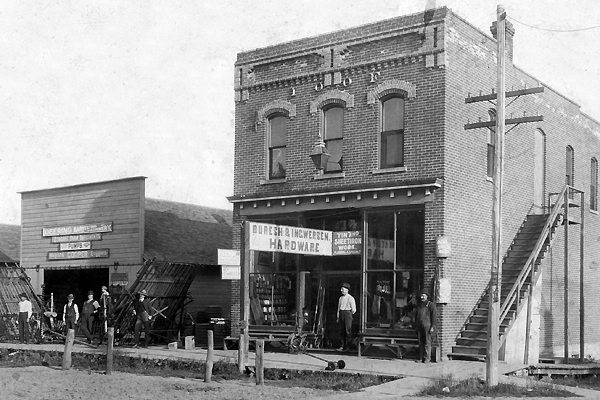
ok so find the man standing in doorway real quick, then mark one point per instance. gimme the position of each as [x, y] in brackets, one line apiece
[104, 311]
[346, 308]
[425, 318]
[89, 309]
[25, 312]
[70, 314]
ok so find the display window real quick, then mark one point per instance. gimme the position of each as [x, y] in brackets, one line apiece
[394, 270]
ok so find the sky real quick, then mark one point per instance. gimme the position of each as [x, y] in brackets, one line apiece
[100, 90]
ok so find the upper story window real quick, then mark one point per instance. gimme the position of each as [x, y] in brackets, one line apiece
[392, 132]
[272, 121]
[277, 141]
[570, 169]
[333, 136]
[491, 147]
[594, 185]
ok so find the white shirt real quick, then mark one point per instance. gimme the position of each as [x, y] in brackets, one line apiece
[347, 303]
[25, 306]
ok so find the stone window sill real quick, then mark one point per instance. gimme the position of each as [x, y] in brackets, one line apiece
[388, 170]
[330, 176]
[272, 181]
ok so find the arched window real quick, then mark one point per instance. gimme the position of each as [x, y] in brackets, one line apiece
[569, 169]
[333, 136]
[594, 185]
[392, 132]
[491, 147]
[277, 139]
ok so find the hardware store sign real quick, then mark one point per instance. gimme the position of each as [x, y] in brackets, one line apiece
[290, 239]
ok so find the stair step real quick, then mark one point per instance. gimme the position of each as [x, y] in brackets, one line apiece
[470, 350]
[482, 327]
[462, 356]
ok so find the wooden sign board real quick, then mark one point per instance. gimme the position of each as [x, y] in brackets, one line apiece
[233, 272]
[75, 246]
[228, 257]
[78, 229]
[76, 255]
[76, 238]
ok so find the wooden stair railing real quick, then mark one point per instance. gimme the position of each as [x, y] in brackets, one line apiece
[528, 270]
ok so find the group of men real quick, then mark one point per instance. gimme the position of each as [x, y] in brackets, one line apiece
[90, 309]
[425, 320]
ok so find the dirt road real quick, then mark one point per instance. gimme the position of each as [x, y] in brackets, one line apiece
[51, 383]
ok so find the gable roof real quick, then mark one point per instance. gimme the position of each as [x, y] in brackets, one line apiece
[10, 243]
[185, 233]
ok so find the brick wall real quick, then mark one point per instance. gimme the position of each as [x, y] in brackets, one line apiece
[443, 73]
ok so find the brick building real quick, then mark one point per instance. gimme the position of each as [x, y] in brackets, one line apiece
[387, 100]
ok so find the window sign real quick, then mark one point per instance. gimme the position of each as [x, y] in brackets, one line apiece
[347, 243]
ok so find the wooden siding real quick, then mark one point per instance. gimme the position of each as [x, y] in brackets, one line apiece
[120, 202]
[209, 290]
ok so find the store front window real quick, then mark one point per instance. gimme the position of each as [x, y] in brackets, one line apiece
[394, 271]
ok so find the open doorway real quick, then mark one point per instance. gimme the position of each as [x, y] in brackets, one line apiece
[61, 283]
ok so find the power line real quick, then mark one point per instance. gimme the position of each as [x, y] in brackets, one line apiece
[553, 30]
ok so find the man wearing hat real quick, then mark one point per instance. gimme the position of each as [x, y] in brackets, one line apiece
[346, 308]
[25, 312]
[425, 318]
[90, 308]
[104, 312]
[70, 313]
[141, 308]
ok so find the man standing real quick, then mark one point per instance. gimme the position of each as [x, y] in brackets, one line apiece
[104, 311]
[25, 312]
[425, 318]
[70, 314]
[90, 308]
[346, 308]
[141, 308]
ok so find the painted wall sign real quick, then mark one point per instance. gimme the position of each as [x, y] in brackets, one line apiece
[380, 249]
[75, 246]
[233, 272]
[347, 243]
[228, 257]
[289, 239]
[76, 238]
[78, 229]
[74, 255]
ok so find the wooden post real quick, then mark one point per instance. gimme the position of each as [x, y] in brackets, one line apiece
[241, 358]
[66, 363]
[246, 346]
[209, 358]
[566, 274]
[258, 362]
[495, 291]
[109, 349]
[581, 280]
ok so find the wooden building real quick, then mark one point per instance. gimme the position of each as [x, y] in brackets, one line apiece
[79, 238]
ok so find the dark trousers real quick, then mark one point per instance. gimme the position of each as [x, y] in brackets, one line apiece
[346, 327]
[87, 321]
[424, 342]
[69, 323]
[142, 319]
[23, 327]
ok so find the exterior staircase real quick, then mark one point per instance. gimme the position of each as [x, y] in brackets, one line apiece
[520, 268]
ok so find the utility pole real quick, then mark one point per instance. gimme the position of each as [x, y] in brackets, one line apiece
[495, 285]
[496, 270]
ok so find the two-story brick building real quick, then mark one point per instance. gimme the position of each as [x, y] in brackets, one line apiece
[388, 102]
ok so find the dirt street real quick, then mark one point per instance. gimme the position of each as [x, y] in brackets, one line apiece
[51, 383]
